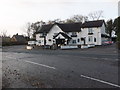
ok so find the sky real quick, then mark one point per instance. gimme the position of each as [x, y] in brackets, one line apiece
[15, 14]
[119, 8]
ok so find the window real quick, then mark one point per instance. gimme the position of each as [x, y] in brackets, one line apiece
[78, 40]
[74, 34]
[82, 39]
[94, 39]
[90, 38]
[49, 40]
[90, 31]
[39, 41]
[73, 41]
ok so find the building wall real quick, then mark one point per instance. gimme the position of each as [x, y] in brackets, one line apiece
[96, 35]
[49, 38]
[82, 34]
[74, 38]
[40, 41]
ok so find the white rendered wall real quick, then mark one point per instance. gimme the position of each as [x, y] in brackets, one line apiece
[75, 38]
[40, 41]
[54, 29]
[82, 34]
[96, 34]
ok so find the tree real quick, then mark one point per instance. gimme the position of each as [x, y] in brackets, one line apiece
[4, 33]
[55, 21]
[31, 28]
[109, 27]
[77, 18]
[96, 15]
[118, 34]
[5, 39]
[27, 29]
[35, 27]
[117, 27]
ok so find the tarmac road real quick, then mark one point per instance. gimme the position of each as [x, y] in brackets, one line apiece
[89, 68]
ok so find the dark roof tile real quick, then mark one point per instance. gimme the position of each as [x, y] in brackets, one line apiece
[68, 27]
[90, 24]
[19, 38]
[71, 27]
[45, 28]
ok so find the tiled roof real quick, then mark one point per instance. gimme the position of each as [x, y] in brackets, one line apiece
[71, 27]
[68, 27]
[90, 24]
[19, 38]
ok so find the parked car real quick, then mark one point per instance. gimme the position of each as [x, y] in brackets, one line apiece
[106, 42]
[29, 47]
[31, 42]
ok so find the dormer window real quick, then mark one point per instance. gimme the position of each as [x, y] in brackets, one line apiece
[74, 34]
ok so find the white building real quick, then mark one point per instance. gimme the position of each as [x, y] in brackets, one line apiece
[90, 32]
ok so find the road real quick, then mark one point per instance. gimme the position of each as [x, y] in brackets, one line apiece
[79, 68]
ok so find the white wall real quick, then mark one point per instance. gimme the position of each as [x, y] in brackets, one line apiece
[54, 29]
[40, 41]
[74, 38]
[82, 34]
[96, 34]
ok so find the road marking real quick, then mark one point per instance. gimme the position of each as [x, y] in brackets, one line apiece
[41, 64]
[100, 81]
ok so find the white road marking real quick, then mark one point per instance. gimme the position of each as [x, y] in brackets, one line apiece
[101, 81]
[41, 64]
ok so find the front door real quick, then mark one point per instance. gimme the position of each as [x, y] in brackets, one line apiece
[60, 41]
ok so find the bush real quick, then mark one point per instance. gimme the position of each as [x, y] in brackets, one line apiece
[12, 43]
[118, 45]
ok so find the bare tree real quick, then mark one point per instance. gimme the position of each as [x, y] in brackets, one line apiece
[27, 29]
[3, 33]
[55, 21]
[77, 18]
[36, 26]
[96, 15]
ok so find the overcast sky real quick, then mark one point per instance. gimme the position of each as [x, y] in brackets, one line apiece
[14, 14]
